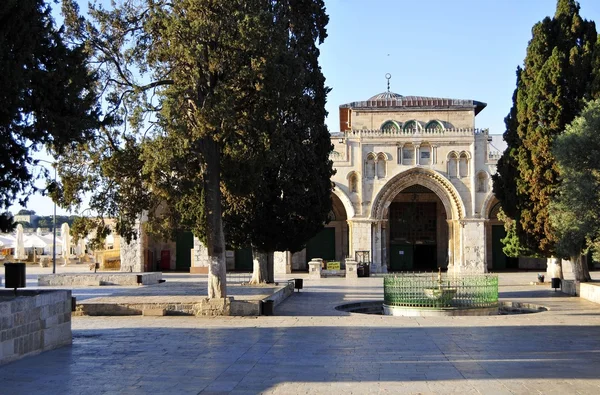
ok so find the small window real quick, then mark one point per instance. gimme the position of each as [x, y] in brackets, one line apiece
[381, 166]
[463, 165]
[425, 155]
[452, 165]
[408, 155]
[482, 182]
[370, 166]
[353, 183]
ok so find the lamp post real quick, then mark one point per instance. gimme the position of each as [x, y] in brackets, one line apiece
[53, 222]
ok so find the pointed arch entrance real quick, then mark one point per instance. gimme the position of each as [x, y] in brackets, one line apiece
[417, 226]
[331, 243]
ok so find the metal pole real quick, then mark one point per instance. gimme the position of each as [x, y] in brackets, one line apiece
[54, 232]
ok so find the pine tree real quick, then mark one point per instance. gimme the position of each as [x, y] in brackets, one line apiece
[557, 77]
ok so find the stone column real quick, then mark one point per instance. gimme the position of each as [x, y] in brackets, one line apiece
[401, 154]
[384, 246]
[434, 154]
[351, 268]
[361, 237]
[282, 262]
[314, 268]
[376, 253]
[473, 246]
[416, 153]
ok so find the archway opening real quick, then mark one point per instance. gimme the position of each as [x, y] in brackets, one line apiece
[418, 231]
[331, 243]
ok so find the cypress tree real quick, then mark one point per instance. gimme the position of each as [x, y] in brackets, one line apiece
[559, 74]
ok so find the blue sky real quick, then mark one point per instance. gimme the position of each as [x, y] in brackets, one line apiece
[461, 49]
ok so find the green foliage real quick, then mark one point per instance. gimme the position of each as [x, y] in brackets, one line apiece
[291, 197]
[575, 213]
[26, 212]
[559, 74]
[46, 91]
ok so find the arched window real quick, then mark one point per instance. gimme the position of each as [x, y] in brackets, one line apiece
[411, 126]
[353, 182]
[452, 164]
[434, 125]
[390, 126]
[482, 182]
[463, 165]
[370, 166]
[381, 166]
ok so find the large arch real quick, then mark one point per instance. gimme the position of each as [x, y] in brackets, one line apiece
[430, 179]
[337, 191]
[490, 201]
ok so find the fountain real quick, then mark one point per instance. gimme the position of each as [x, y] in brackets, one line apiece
[420, 294]
[442, 294]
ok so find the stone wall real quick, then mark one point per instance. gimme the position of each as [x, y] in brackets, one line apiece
[33, 322]
[96, 279]
[200, 260]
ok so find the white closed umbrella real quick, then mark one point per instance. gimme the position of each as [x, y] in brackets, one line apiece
[66, 242]
[19, 244]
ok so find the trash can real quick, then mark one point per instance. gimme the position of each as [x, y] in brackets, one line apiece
[266, 307]
[15, 275]
[555, 283]
[298, 283]
[360, 270]
[367, 269]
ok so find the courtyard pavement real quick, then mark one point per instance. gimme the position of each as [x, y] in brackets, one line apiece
[309, 347]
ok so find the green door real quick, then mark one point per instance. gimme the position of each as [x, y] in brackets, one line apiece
[498, 257]
[243, 259]
[322, 245]
[183, 253]
[401, 258]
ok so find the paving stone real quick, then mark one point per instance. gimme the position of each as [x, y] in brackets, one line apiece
[310, 347]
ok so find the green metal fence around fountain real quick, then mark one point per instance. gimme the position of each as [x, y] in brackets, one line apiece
[427, 290]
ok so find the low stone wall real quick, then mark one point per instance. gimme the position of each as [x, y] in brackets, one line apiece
[33, 322]
[570, 287]
[182, 305]
[590, 291]
[95, 279]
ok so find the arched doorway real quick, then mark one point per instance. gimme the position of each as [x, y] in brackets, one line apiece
[418, 231]
[499, 260]
[439, 222]
[331, 243]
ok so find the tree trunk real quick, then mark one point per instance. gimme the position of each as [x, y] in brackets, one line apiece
[215, 240]
[580, 268]
[271, 267]
[259, 267]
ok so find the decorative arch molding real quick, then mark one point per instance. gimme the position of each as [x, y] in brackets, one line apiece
[430, 179]
[391, 125]
[466, 154]
[434, 124]
[412, 124]
[352, 173]
[337, 191]
[488, 204]
[384, 155]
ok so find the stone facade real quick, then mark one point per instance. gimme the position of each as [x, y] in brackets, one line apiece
[398, 157]
[35, 321]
